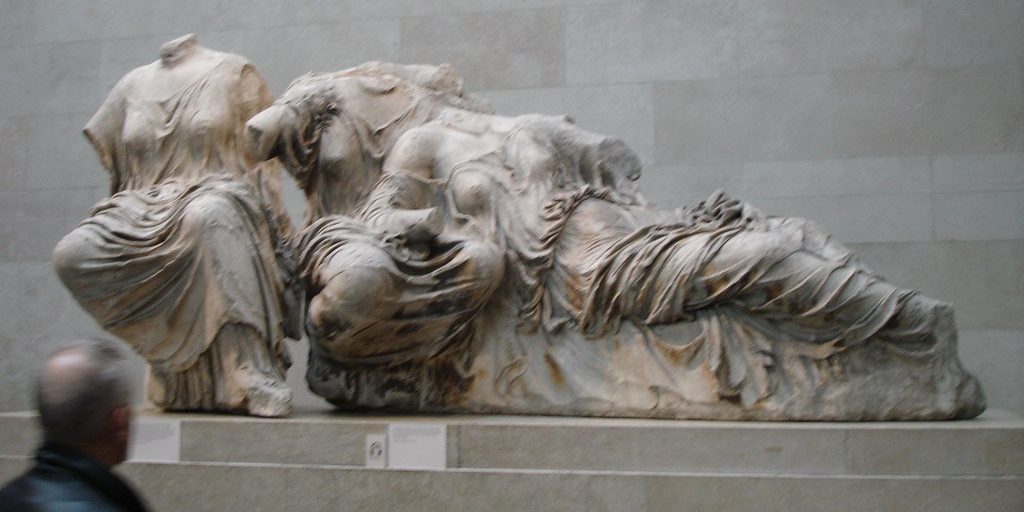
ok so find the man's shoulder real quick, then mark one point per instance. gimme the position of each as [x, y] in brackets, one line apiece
[37, 491]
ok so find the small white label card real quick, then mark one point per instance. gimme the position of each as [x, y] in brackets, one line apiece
[376, 451]
[417, 445]
[155, 440]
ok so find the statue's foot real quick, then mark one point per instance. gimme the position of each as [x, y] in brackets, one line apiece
[269, 398]
[970, 399]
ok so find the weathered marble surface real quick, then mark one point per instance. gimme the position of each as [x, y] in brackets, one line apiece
[459, 261]
[188, 260]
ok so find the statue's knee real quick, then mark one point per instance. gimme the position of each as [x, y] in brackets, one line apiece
[353, 295]
[349, 302]
[473, 193]
[768, 245]
[779, 244]
[488, 261]
[72, 253]
[416, 147]
[323, 316]
[208, 210]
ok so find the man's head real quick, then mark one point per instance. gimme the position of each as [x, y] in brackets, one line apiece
[84, 399]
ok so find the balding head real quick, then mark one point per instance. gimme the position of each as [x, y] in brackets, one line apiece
[79, 389]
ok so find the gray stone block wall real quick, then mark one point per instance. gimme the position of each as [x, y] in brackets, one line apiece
[898, 125]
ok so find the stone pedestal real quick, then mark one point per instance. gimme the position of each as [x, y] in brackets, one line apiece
[316, 461]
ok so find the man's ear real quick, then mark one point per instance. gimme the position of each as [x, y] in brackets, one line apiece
[121, 423]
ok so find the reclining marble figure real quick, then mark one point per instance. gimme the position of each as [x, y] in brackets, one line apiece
[188, 261]
[455, 260]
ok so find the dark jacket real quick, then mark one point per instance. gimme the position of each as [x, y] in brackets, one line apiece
[67, 480]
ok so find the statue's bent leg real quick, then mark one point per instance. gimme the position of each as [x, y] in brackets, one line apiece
[818, 294]
[192, 293]
[373, 309]
[828, 299]
[247, 354]
[358, 289]
[811, 299]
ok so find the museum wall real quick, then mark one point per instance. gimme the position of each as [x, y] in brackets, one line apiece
[896, 124]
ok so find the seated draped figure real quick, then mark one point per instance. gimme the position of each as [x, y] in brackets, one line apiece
[455, 260]
[188, 261]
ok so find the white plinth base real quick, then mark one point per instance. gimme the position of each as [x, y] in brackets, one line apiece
[317, 461]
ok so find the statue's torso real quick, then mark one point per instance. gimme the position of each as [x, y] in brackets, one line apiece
[182, 124]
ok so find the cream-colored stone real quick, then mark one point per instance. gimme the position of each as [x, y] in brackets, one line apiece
[794, 494]
[660, 448]
[277, 442]
[315, 488]
[461, 261]
[892, 451]
[985, 446]
[186, 486]
[787, 40]
[187, 261]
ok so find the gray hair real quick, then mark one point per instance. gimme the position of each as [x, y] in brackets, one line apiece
[74, 405]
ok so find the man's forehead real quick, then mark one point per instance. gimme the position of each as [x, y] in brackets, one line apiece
[70, 359]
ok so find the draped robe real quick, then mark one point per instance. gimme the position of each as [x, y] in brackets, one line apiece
[188, 260]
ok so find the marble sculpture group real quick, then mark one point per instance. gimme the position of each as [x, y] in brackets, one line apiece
[456, 260]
